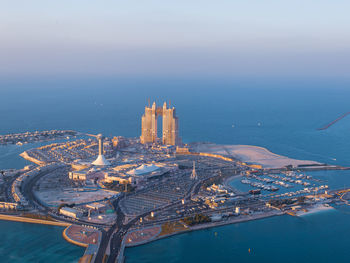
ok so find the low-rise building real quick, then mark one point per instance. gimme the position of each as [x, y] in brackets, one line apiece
[9, 206]
[78, 175]
[120, 178]
[182, 150]
[217, 189]
[96, 206]
[70, 212]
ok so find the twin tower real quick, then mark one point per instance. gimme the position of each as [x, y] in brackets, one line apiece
[170, 125]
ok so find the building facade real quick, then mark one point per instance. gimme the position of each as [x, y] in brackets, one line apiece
[149, 125]
[170, 129]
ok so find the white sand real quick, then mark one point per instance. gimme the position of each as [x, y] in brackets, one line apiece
[315, 209]
[252, 154]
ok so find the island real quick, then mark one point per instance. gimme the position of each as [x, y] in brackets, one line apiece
[112, 193]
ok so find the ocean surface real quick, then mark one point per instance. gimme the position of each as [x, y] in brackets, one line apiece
[282, 116]
[24, 242]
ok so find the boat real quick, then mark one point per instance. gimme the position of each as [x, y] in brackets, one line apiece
[255, 191]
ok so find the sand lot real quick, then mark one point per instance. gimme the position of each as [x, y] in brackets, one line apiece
[252, 154]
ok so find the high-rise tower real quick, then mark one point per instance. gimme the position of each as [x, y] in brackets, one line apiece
[170, 126]
[170, 129]
[149, 125]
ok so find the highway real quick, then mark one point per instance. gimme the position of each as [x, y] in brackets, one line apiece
[106, 236]
[8, 194]
[36, 204]
[119, 229]
[113, 237]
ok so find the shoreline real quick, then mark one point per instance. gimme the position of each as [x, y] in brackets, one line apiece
[253, 155]
[226, 183]
[66, 237]
[212, 225]
[69, 240]
[32, 220]
[315, 210]
[25, 156]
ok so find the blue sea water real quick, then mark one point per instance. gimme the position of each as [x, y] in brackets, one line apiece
[314, 238]
[24, 242]
[228, 112]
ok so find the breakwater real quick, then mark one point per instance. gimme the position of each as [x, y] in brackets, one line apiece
[333, 122]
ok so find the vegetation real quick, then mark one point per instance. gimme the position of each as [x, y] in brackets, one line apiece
[115, 186]
[281, 202]
[171, 227]
[197, 219]
[214, 180]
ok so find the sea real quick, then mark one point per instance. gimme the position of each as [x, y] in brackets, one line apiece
[282, 115]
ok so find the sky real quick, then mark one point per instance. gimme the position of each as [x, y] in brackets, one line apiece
[223, 38]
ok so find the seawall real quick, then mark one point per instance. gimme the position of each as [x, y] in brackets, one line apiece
[25, 156]
[32, 220]
[66, 237]
[212, 225]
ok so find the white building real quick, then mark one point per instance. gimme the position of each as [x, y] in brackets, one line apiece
[237, 210]
[144, 169]
[77, 175]
[70, 212]
[96, 206]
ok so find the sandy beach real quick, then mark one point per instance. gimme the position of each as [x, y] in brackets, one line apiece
[315, 209]
[252, 154]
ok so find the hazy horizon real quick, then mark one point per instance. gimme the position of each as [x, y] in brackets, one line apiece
[225, 39]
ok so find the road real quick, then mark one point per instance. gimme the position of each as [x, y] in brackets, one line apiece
[42, 208]
[119, 229]
[106, 236]
[114, 236]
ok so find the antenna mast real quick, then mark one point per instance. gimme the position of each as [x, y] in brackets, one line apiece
[194, 175]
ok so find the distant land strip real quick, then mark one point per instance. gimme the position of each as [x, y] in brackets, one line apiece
[333, 122]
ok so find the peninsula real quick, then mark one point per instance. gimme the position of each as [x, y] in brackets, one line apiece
[112, 193]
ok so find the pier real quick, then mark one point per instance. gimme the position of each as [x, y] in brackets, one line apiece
[333, 122]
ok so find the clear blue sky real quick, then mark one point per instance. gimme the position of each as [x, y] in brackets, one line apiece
[175, 38]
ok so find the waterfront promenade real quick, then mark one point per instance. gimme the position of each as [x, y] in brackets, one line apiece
[234, 220]
[87, 237]
[32, 220]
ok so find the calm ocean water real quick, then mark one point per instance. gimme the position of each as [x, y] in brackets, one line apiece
[289, 113]
[23, 242]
